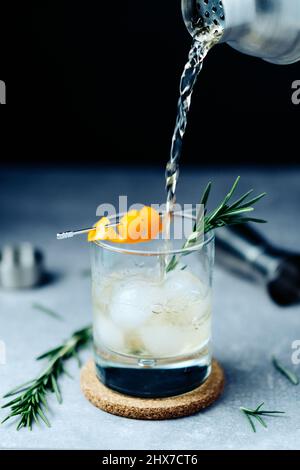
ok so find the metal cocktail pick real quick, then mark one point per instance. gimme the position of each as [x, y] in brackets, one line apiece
[73, 233]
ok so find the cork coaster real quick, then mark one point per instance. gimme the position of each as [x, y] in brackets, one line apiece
[151, 408]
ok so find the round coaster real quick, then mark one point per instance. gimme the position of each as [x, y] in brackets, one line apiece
[151, 408]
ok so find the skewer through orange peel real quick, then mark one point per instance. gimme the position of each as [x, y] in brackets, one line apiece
[136, 226]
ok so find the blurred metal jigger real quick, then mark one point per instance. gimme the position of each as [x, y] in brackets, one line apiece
[21, 266]
[245, 252]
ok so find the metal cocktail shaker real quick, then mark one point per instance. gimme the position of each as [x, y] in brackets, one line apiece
[269, 29]
[245, 252]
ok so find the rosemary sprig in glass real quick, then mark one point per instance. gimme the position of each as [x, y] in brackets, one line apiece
[257, 414]
[225, 214]
[30, 405]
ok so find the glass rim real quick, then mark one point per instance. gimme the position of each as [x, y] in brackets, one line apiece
[117, 247]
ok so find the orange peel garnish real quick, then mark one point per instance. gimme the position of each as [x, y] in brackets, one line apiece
[136, 226]
[129, 225]
[101, 232]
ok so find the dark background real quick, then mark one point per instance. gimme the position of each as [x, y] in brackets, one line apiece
[96, 82]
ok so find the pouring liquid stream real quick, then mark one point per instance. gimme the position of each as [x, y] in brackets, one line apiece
[204, 40]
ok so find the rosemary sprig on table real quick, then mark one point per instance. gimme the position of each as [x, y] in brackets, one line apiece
[291, 376]
[225, 214]
[30, 405]
[257, 414]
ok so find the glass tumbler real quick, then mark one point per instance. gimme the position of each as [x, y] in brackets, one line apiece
[152, 315]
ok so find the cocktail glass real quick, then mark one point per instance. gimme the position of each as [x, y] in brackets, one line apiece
[152, 324]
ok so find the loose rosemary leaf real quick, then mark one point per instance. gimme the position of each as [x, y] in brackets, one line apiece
[257, 414]
[30, 404]
[47, 311]
[291, 376]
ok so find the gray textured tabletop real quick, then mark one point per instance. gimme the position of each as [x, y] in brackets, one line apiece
[248, 327]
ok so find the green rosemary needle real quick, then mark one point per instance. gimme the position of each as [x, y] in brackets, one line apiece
[47, 311]
[257, 414]
[85, 273]
[291, 376]
[225, 214]
[30, 404]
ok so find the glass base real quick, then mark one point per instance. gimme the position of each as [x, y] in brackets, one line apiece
[149, 378]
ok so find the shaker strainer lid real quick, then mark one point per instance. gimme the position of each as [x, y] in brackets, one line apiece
[211, 11]
[199, 14]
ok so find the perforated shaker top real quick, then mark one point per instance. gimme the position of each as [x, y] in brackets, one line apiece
[211, 12]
